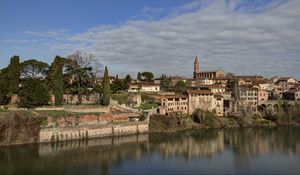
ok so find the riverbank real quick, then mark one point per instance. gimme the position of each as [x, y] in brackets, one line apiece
[22, 127]
[170, 124]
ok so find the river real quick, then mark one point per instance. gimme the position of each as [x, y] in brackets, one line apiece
[206, 151]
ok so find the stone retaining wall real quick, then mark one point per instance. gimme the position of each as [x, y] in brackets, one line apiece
[91, 131]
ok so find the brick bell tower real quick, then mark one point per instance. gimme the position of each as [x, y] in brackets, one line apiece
[196, 67]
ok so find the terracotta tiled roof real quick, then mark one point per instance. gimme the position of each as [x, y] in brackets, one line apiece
[200, 92]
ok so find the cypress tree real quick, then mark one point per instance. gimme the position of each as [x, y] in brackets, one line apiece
[106, 88]
[57, 80]
[14, 74]
[139, 76]
[4, 89]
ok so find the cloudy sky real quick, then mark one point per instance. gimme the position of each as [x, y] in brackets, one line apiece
[164, 36]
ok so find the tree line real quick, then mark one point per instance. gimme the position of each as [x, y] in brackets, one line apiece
[34, 81]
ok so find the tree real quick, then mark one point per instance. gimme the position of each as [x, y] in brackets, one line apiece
[139, 76]
[87, 60]
[165, 83]
[180, 87]
[148, 76]
[14, 74]
[33, 94]
[78, 80]
[34, 69]
[82, 73]
[4, 88]
[207, 118]
[56, 79]
[106, 88]
[118, 85]
[128, 79]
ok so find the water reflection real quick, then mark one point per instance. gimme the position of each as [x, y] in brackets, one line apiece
[131, 154]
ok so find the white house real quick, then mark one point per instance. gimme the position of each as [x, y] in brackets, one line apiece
[144, 88]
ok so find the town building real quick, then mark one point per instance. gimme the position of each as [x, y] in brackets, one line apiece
[248, 98]
[217, 89]
[206, 74]
[144, 88]
[202, 99]
[173, 104]
[286, 83]
[292, 94]
[262, 97]
[206, 81]
[218, 104]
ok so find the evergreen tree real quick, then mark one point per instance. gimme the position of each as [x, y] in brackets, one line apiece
[34, 69]
[57, 80]
[33, 93]
[165, 83]
[128, 79]
[139, 76]
[106, 88]
[148, 76]
[180, 87]
[14, 74]
[4, 90]
[127, 82]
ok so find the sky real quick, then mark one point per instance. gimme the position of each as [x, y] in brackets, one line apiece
[245, 37]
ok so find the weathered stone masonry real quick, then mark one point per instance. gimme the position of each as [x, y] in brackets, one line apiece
[92, 131]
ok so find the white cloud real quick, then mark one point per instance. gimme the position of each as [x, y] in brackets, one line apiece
[50, 33]
[17, 41]
[238, 41]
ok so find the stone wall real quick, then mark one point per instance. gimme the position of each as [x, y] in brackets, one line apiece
[88, 119]
[91, 131]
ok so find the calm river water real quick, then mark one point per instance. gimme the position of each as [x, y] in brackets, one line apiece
[213, 151]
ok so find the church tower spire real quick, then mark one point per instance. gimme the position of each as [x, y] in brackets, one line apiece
[196, 67]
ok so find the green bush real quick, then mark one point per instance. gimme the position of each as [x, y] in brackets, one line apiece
[122, 98]
[207, 118]
[146, 106]
[33, 94]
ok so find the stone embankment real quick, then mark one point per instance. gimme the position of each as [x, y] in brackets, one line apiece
[90, 126]
[20, 127]
[92, 131]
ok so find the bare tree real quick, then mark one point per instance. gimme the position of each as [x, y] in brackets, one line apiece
[87, 60]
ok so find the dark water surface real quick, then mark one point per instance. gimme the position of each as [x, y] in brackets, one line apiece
[213, 151]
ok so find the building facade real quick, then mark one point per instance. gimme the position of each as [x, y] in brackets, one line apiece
[206, 74]
[262, 97]
[173, 104]
[202, 99]
[248, 98]
[144, 88]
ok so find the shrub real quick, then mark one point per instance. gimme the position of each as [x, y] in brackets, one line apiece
[33, 94]
[207, 118]
[146, 106]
